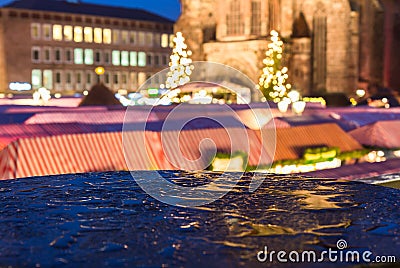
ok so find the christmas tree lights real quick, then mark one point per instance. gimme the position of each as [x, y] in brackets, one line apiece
[180, 68]
[272, 82]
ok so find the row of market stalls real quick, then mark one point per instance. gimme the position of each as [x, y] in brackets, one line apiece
[38, 141]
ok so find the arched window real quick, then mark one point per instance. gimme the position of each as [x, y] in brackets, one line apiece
[234, 19]
[255, 17]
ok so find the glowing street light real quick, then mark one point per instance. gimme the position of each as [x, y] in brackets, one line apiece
[360, 92]
[99, 70]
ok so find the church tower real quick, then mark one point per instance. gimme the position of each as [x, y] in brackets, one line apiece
[198, 24]
[330, 44]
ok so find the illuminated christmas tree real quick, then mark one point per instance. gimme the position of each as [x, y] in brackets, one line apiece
[272, 82]
[180, 67]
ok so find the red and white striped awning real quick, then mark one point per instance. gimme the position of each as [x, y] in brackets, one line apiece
[192, 142]
[73, 154]
[385, 134]
[97, 117]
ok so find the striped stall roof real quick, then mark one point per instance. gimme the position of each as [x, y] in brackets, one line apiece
[290, 142]
[98, 117]
[10, 133]
[44, 109]
[385, 134]
[72, 154]
[189, 156]
[8, 162]
[277, 123]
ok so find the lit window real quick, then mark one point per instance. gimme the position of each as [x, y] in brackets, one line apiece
[107, 36]
[107, 57]
[35, 54]
[48, 79]
[57, 55]
[47, 54]
[141, 38]
[88, 32]
[47, 32]
[149, 39]
[133, 58]
[98, 35]
[57, 32]
[164, 40]
[171, 40]
[116, 60]
[68, 34]
[78, 34]
[141, 78]
[125, 58]
[116, 36]
[78, 56]
[35, 30]
[88, 56]
[132, 37]
[36, 78]
[125, 37]
[68, 55]
[142, 59]
[97, 57]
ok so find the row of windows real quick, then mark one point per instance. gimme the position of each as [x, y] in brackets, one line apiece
[89, 57]
[64, 80]
[235, 19]
[79, 34]
[88, 20]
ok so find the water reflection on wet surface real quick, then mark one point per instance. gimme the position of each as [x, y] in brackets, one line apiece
[107, 220]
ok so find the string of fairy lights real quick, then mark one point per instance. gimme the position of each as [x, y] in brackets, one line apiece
[272, 82]
[180, 68]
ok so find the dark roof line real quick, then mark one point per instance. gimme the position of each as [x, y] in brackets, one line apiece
[88, 9]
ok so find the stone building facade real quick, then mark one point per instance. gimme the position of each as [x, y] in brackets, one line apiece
[330, 45]
[59, 44]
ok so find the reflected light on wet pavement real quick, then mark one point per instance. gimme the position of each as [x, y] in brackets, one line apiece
[105, 219]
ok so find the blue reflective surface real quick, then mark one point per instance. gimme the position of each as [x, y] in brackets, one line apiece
[105, 219]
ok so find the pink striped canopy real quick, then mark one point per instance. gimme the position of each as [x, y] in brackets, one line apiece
[385, 134]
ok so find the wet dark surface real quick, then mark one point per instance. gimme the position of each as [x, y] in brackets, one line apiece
[105, 219]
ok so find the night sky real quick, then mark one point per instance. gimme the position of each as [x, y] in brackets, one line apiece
[166, 8]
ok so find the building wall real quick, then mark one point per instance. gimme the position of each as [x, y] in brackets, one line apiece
[150, 40]
[198, 21]
[392, 44]
[300, 65]
[337, 39]
[3, 70]
[243, 56]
